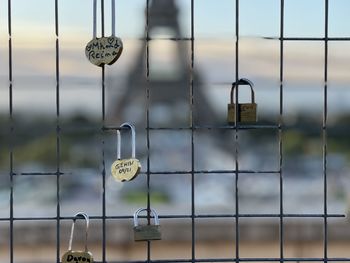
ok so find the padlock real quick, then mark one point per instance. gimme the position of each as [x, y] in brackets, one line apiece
[246, 111]
[146, 232]
[78, 256]
[126, 169]
[104, 50]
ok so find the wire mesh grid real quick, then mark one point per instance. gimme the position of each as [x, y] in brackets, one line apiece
[193, 216]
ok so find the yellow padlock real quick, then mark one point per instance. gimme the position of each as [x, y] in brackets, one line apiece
[126, 169]
[247, 112]
[103, 50]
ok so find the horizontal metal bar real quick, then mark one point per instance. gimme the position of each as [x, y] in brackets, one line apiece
[206, 127]
[162, 172]
[167, 38]
[321, 39]
[95, 129]
[256, 216]
[202, 216]
[39, 173]
[215, 172]
[263, 37]
[235, 260]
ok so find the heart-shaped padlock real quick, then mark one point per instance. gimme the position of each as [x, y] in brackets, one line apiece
[104, 50]
[78, 256]
[126, 169]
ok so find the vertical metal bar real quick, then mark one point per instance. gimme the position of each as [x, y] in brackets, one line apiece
[103, 199]
[9, 14]
[280, 133]
[148, 126]
[324, 133]
[193, 208]
[103, 87]
[58, 209]
[236, 139]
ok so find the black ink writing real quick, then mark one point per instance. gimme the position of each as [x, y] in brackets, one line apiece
[125, 167]
[105, 50]
[77, 259]
[98, 45]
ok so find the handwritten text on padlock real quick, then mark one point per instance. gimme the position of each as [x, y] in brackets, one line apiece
[126, 169]
[77, 257]
[104, 50]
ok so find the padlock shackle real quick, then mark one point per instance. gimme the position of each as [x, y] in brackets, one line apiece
[113, 17]
[243, 81]
[94, 18]
[133, 138]
[86, 217]
[119, 145]
[153, 212]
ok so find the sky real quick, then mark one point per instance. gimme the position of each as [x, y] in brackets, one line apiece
[214, 30]
[212, 18]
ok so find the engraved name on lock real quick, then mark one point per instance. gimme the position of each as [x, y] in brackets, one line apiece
[247, 112]
[147, 232]
[104, 50]
[126, 169]
[78, 256]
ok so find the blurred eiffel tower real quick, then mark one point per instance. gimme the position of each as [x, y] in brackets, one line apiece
[169, 90]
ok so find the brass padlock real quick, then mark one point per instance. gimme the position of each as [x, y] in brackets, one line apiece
[78, 256]
[246, 111]
[146, 232]
[103, 50]
[126, 169]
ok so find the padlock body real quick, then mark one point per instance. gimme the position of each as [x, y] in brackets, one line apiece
[246, 112]
[77, 257]
[147, 233]
[104, 50]
[125, 169]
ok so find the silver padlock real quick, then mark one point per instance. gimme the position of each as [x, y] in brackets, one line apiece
[78, 256]
[126, 169]
[146, 232]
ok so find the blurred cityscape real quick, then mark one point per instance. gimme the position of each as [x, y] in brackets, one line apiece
[84, 152]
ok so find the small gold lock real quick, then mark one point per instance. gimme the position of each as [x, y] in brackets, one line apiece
[103, 50]
[126, 169]
[246, 111]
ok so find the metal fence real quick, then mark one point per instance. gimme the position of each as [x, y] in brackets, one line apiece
[105, 129]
